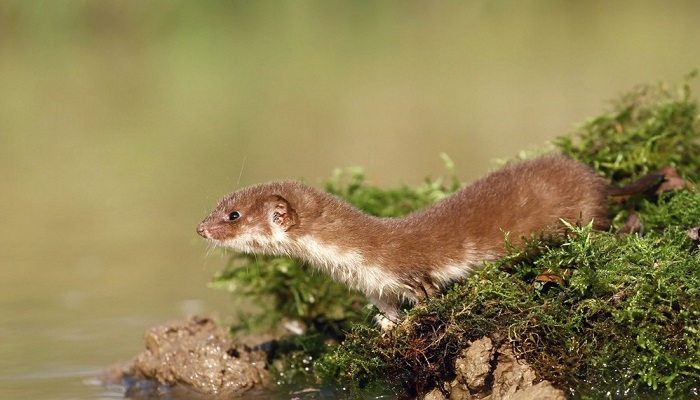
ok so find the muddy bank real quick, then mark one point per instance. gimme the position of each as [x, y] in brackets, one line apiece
[197, 359]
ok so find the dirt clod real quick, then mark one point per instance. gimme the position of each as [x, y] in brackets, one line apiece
[193, 355]
[474, 364]
[479, 377]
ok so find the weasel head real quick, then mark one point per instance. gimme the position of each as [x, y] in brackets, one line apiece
[255, 220]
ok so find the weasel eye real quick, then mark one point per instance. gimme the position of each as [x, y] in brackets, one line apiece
[234, 216]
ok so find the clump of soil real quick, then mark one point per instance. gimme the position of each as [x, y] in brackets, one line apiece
[486, 372]
[193, 356]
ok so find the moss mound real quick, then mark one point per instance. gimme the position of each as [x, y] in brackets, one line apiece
[602, 313]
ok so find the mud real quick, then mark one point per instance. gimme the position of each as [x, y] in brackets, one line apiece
[192, 358]
[487, 373]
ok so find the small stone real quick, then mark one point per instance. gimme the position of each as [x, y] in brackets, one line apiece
[474, 365]
[510, 375]
[541, 391]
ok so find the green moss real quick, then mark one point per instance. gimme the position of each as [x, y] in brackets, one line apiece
[622, 321]
[626, 321]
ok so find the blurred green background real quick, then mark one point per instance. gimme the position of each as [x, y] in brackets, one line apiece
[122, 123]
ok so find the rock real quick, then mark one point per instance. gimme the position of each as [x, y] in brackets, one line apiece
[474, 364]
[510, 375]
[541, 391]
[479, 377]
[458, 391]
[195, 355]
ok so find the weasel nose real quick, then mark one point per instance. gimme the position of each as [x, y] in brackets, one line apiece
[202, 231]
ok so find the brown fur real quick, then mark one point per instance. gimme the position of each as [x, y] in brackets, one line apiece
[408, 258]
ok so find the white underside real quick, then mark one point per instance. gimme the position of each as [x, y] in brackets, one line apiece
[350, 267]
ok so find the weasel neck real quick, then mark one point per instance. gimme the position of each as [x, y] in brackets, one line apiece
[340, 240]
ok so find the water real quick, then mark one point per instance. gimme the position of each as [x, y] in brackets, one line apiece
[122, 122]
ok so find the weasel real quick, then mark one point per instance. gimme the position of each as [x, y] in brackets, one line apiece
[392, 260]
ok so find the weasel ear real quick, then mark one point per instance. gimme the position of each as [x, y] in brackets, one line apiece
[283, 215]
